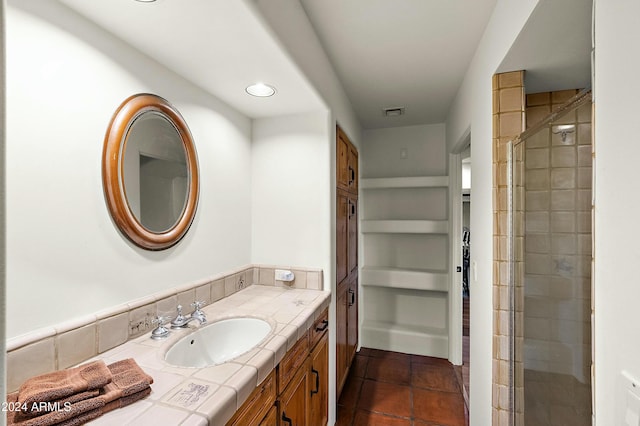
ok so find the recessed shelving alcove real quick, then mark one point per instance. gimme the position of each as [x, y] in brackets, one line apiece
[405, 277]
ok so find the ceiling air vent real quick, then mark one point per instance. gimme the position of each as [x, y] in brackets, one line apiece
[393, 112]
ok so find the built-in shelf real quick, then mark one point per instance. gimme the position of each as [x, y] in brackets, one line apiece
[406, 338]
[413, 279]
[405, 226]
[405, 182]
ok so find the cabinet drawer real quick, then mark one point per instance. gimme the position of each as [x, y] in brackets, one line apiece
[292, 360]
[318, 329]
[257, 405]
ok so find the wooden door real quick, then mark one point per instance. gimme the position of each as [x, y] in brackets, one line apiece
[352, 235]
[293, 401]
[352, 320]
[341, 337]
[319, 383]
[342, 236]
[353, 169]
[271, 419]
[342, 160]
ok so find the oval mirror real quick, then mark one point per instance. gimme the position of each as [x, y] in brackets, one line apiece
[150, 172]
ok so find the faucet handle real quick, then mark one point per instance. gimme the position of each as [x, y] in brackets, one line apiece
[160, 319]
[198, 304]
[161, 331]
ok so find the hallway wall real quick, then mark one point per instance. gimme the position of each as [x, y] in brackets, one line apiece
[617, 186]
[471, 112]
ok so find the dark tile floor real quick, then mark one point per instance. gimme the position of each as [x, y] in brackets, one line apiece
[391, 388]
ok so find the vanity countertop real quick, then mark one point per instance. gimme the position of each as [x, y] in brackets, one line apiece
[211, 395]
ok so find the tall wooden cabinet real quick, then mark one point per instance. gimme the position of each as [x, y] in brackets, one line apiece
[346, 255]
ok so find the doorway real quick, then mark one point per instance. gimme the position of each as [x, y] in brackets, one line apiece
[466, 266]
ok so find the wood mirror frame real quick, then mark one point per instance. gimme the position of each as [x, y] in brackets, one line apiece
[112, 172]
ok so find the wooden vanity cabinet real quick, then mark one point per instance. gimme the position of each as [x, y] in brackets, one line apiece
[319, 383]
[294, 400]
[303, 401]
[296, 392]
[259, 406]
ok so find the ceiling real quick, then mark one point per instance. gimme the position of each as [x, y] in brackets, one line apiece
[220, 45]
[554, 47]
[400, 53]
[387, 53]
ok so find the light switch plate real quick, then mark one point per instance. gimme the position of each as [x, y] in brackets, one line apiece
[628, 409]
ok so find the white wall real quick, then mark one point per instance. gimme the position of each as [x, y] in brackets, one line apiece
[291, 178]
[291, 25]
[471, 110]
[425, 148]
[65, 257]
[617, 202]
[3, 282]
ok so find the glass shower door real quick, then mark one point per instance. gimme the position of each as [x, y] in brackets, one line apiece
[550, 194]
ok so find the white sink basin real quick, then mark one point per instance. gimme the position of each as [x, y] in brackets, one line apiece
[218, 342]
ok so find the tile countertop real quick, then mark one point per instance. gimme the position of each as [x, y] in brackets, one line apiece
[211, 395]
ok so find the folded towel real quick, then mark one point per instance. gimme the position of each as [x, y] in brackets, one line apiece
[55, 405]
[113, 405]
[126, 400]
[130, 383]
[54, 417]
[128, 379]
[61, 384]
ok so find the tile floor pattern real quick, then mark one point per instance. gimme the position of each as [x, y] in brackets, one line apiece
[396, 389]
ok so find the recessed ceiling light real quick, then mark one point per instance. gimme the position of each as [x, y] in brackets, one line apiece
[145, 1]
[261, 90]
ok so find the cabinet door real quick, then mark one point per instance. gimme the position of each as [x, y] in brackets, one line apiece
[271, 419]
[352, 235]
[353, 169]
[342, 160]
[341, 337]
[352, 320]
[257, 404]
[293, 401]
[342, 236]
[319, 383]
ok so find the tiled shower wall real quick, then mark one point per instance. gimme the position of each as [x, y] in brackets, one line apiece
[558, 176]
[508, 123]
[557, 250]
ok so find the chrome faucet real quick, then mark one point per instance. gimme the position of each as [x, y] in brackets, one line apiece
[181, 321]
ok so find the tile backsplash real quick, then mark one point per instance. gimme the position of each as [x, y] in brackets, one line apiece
[63, 345]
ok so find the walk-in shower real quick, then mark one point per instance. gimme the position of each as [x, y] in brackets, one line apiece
[550, 245]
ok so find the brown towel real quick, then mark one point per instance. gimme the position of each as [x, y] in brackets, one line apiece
[128, 378]
[126, 400]
[113, 405]
[44, 409]
[61, 384]
[55, 417]
[130, 383]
